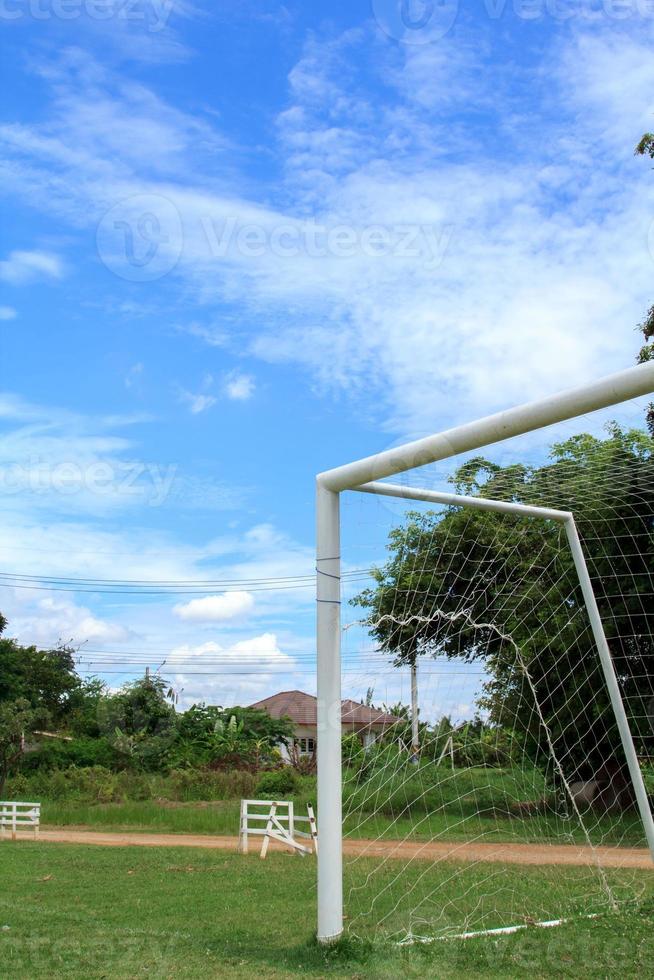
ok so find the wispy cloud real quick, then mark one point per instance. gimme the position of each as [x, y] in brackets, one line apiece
[8, 313]
[440, 279]
[62, 462]
[134, 375]
[197, 402]
[22, 267]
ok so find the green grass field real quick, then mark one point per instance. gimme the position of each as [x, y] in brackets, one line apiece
[91, 912]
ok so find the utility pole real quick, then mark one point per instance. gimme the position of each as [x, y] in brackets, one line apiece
[415, 731]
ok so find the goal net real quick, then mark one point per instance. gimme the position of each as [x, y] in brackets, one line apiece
[494, 784]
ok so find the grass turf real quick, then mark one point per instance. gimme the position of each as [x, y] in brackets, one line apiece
[80, 912]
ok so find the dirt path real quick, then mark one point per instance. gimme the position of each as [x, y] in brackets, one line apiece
[612, 857]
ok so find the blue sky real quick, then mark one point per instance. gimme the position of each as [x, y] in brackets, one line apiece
[245, 242]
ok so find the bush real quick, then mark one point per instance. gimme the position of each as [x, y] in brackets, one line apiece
[187, 785]
[280, 782]
[95, 784]
[352, 751]
[80, 752]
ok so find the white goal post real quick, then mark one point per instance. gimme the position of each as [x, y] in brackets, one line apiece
[364, 476]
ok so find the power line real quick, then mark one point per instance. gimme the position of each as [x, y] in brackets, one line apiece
[154, 587]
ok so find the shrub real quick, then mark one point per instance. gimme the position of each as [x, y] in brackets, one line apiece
[351, 751]
[93, 784]
[280, 782]
[96, 784]
[80, 752]
[202, 784]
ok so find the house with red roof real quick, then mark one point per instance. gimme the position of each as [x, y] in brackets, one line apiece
[366, 722]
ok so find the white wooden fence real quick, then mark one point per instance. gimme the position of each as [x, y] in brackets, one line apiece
[276, 820]
[19, 816]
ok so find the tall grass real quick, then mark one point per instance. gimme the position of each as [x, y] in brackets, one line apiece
[95, 784]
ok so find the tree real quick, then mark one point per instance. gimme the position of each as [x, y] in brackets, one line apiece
[646, 148]
[141, 722]
[241, 737]
[142, 707]
[45, 678]
[448, 574]
[17, 719]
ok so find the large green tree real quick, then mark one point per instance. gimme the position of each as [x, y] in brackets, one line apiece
[18, 716]
[46, 679]
[480, 586]
[646, 148]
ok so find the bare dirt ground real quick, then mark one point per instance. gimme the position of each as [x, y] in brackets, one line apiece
[535, 854]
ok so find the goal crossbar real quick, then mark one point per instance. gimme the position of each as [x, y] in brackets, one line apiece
[365, 476]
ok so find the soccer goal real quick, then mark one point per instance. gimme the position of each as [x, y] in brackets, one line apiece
[501, 635]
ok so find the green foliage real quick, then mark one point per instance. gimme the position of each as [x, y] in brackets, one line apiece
[97, 785]
[646, 146]
[229, 737]
[83, 713]
[187, 784]
[609, 486]
[352, 752]
[16, 718]
[59, 754]
[279, 783]
[140, 708]
[393, 786]
[45, 678]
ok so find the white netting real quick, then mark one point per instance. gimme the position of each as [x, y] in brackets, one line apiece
[519, 807]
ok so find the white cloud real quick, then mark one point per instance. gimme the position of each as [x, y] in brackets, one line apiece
[197, 403]
[239, 387]
[521, 254]
[240, 673]
[24, 267]
[7, 313]
[216, 608]
[50, 620]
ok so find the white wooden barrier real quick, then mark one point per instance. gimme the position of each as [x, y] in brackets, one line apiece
[276, 820]
[17, 816]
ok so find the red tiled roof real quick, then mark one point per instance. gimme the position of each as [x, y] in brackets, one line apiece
[302, 709]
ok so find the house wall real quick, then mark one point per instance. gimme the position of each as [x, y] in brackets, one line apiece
[368, 737]
[301, 731]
